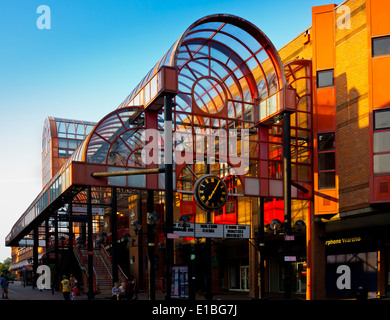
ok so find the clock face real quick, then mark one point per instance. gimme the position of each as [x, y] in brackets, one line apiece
[210, 192]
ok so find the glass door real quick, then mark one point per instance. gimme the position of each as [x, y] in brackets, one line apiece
[244, 272]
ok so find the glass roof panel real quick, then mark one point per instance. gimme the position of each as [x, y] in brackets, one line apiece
[208, 25]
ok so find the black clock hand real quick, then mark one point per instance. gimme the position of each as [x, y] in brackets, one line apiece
[212, 193]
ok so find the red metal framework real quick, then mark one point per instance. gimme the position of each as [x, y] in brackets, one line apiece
[60, 138]
[224, 68]
[298, 76]
[225, 76]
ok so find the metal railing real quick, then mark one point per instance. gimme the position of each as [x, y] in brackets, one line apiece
[109, 258]
[82, 261]
[105, 265]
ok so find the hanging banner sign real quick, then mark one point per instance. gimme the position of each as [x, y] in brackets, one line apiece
[188, 231]
[208, 230]
[237, 231]
[83, 211]
[26, 242]
[212, 230]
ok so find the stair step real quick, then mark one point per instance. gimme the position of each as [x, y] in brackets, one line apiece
[100, 264]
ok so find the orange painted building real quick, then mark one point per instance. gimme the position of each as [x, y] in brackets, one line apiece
[348, 46]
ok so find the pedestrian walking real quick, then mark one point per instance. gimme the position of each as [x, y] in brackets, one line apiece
[4, 286]
[65, 287]
[73, 287]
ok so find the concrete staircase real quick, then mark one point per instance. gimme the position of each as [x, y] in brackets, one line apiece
[102, 269]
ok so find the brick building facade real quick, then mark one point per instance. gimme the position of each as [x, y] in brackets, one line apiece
[354, 205]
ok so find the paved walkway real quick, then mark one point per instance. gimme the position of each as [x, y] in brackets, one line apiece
[102, 307]
[19, 292]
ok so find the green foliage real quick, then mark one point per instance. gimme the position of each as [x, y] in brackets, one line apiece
[4, 267]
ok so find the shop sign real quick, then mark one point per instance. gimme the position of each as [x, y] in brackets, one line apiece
[187, 231]
[290, 258]
[172, 235]
[331, 242]
[212, 230]
[26, 242]
[83, 211]
[237, 231]
[209, 230]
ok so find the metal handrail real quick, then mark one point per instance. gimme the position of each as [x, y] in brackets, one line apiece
[123, 274]
[96, 279]
[106, 253]
[84, 268]
[109, 257]
[105, 265]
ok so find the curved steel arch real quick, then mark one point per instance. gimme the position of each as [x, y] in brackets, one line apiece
[264, 58]
[223, 50]
[248, 27]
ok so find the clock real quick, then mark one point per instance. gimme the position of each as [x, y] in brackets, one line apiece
[210, 192]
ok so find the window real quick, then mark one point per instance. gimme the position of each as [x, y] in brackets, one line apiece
[325, 78]
[66, 147]
[382, 119]
[381, 141]
[381, 46]
[326, 161]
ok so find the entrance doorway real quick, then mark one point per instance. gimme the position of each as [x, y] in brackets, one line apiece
[244, 278]
[239, 275]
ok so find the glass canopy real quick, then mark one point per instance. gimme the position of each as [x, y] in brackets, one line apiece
[225, 66]
[227, 75]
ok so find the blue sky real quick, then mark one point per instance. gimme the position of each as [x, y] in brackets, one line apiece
[95, 53]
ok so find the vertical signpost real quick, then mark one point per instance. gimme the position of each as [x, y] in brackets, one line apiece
[287, 203]
[168, 159]
[90, 244]
[114, 234]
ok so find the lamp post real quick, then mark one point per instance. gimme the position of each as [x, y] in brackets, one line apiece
[275, 225]
[136, 226]
[184, 223]
[287, 202]
[152, 222]
[168, 159]
[260, 246]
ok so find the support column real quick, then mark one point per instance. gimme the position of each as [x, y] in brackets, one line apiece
[114, 233]
[140, 246]
[35, 255]
[150, 237]
[261, 246]
[90, 245]
[168, 159]
[70, 226]
[47, 239]
[287, 203]
[47, 236]
[56, 252]
[208, 295]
